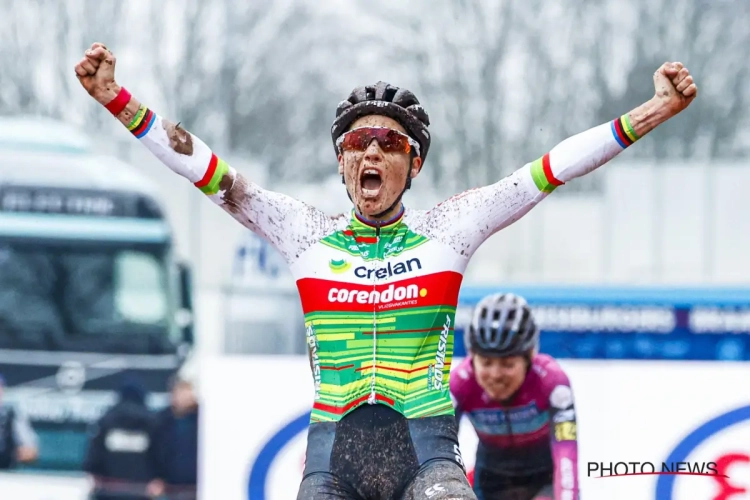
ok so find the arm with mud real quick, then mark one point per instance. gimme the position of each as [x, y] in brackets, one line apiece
[290, 225]
[468, 219]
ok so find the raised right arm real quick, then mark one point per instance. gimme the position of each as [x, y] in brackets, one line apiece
[285, 222]
[290, 225]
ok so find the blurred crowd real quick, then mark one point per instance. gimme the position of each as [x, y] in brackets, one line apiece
[134, 453]
[18, 441]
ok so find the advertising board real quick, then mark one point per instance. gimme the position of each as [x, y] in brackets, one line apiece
[256, 411]
[658, 323]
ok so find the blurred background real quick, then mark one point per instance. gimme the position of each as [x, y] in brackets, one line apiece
[115, 273]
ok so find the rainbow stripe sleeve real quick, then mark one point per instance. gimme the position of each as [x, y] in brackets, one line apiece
[543, 177]
[200, 165]
[623, 131]
[217, 169]
[142, 122]
[582, 153]
[289, 225]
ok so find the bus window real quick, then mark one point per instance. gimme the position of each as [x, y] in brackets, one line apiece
[139, 288]
[93, 298]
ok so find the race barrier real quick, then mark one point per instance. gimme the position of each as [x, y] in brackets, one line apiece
[615, 322]
[684, 415]
[579, 321]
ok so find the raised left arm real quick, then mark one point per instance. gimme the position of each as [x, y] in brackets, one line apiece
[468, 219]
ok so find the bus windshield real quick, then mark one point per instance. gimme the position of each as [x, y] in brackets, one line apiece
[85, 297]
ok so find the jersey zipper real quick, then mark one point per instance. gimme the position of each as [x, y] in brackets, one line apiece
[372, 399]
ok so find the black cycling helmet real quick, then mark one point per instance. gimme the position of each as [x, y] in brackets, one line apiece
[387, 100]
[502, 325]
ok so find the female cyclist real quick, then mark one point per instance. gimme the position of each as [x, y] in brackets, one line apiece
[520, 404]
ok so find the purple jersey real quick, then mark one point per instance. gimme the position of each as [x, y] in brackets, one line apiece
[532, 433]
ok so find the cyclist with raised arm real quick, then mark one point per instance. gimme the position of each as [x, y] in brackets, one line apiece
[520, 403]
[379, 286]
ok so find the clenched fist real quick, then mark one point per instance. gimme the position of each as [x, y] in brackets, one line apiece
[674, 86]
[96, 72]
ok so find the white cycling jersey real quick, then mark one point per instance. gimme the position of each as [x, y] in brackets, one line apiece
[380, 298]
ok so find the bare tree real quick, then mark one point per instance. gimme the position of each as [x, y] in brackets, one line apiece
[43, 39]
[503, 81]
[281, 97]
[487, 76]
[18, 67]
[710, 39]
[258, 82]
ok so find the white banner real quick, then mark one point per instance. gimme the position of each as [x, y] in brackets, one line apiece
[41, 486]
[256, 410]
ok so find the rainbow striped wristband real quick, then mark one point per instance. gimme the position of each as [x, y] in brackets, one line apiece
[623, 131]
[142, 122]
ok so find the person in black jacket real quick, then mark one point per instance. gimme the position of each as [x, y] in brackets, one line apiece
[18, 441]
[176, 443]
[120, 455]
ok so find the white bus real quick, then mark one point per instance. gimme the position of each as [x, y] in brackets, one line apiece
[90, 286]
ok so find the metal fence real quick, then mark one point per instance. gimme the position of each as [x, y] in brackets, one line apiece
[263, 321]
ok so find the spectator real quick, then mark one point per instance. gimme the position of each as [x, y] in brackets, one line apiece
[120, 455]
[18, 441]
[176, 442]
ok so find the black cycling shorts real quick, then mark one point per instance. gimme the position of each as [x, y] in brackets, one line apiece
[490, 486]
[375, 453]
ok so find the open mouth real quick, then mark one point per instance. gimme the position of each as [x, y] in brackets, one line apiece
[370, 182]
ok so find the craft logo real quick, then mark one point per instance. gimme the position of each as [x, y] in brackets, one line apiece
[614, 469]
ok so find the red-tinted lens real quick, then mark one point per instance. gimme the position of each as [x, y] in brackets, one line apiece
[389, 140]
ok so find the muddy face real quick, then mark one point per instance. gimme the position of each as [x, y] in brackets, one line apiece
[373, 177]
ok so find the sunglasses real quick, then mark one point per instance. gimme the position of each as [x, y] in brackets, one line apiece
[390, 141]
